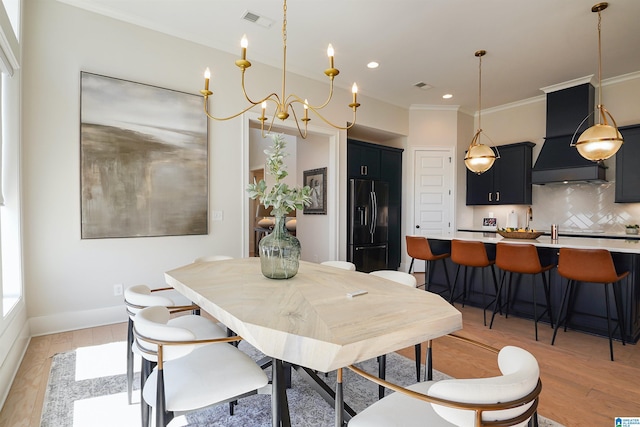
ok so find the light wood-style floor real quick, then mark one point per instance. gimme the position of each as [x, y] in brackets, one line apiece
[581, 387]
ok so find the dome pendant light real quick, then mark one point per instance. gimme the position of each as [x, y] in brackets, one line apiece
[602, 140]
[479, 157]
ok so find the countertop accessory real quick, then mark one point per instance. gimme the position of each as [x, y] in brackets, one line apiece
[520, 234]
[631, 228]
[554, 231]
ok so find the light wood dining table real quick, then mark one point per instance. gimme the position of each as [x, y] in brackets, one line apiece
[310, 320]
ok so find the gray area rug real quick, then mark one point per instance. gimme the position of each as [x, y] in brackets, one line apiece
[101, 401]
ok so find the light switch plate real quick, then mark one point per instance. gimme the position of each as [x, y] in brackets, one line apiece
[217, 215]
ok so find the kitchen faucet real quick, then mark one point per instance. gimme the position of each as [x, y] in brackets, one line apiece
[529, 216]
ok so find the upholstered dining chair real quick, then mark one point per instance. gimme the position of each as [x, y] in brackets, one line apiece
[345, 265]
[191, 373]
[407, 280]
[418, 248]
[510, 399]
[209, 258]
[139, 297]
[136, 298]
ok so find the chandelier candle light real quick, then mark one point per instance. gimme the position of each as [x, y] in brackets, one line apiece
[283, 103]
[601, 140]
[479, 157]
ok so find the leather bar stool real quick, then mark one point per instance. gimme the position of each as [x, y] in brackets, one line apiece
[522, 259]
[594, 266]
[472, 254]
[418, 248]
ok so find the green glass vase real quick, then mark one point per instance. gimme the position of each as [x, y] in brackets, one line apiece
[279, 252]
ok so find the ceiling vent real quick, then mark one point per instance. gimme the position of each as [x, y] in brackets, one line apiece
[257, 19]
[423, 86]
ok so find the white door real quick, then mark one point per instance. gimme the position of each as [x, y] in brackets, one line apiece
[433, 194]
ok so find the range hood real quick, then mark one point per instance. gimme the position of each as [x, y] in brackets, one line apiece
[558, 162]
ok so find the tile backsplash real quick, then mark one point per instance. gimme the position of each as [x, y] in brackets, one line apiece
[574, 207]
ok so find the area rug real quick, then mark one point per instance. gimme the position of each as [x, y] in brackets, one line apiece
[87, 388]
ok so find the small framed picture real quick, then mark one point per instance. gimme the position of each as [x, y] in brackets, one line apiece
[316, 179]
[489, 223]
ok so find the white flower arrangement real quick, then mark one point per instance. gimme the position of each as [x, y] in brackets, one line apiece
[280, 196]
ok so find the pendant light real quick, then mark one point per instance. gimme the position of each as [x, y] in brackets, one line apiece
[601, 140]
[479, 157]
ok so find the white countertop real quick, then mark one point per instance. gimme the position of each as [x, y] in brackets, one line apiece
[613, 245]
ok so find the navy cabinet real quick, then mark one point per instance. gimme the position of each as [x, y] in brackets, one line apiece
[627, 170]
[378, 162]
[508, 182]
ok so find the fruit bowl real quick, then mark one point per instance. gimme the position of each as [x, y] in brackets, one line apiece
[514, 234]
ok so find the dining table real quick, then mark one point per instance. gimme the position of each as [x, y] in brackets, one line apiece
[322, 319]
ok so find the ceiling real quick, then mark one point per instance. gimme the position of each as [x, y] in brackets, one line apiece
[530, 44]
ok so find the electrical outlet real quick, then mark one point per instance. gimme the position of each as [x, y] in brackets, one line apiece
[117, 289]
[217, 215]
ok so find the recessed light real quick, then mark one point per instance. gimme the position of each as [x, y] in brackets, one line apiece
[447, 96]
[373, 64]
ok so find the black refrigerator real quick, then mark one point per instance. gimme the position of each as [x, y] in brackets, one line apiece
[368, 224]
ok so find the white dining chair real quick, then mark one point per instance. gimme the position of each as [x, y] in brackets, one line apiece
[511, 398]
[407, 280]
[191, 372]
[345, 265]
[209, 258]
[137, 297]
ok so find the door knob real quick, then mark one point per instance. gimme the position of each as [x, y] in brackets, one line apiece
[417, 226]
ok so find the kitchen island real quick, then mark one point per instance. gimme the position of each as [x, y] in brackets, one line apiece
[589, 301]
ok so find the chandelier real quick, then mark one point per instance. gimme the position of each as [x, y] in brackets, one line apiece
[601, 140]
[283, 104]
[479, 157]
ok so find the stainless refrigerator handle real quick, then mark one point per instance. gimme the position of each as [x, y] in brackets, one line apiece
[372, 214]
[375, 212]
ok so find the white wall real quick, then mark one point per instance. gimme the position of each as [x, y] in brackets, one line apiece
[69, 281]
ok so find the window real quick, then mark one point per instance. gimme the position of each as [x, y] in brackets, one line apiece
[10, 235]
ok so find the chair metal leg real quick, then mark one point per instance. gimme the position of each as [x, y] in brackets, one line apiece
[382, 373]
[606, 299]
[428, 371]
[619, 309]
[129, 360]
[453, 298]
[428, 273]
[411, 265]
[498, 299]
[446, 276]
[418, 350]
[339, 407]
[562, 308]
[547, 295]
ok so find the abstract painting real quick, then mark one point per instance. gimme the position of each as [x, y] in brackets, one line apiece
[143, 160]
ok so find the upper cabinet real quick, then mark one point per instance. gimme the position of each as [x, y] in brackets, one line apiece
[364, 160]
[627, 170]
[508, 182]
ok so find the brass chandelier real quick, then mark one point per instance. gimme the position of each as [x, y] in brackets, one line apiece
[479, 157]
[283, 104]
[601, 140]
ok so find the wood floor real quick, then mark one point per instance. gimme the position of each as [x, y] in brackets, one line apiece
[581, 387]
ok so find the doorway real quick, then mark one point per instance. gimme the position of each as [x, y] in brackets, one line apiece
[433, 198]
[318, 234]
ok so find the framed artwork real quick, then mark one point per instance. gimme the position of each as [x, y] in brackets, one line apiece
[317, 180]
[143, 160]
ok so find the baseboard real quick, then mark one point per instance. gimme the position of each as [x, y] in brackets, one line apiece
[70, 321]
[15, 343]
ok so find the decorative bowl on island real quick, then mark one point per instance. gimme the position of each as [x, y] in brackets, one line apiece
[519, 233]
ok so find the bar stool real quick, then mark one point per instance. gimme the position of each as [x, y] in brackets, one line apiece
[471, 254]
[418, 248]
[594, 266]
[522, 259]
